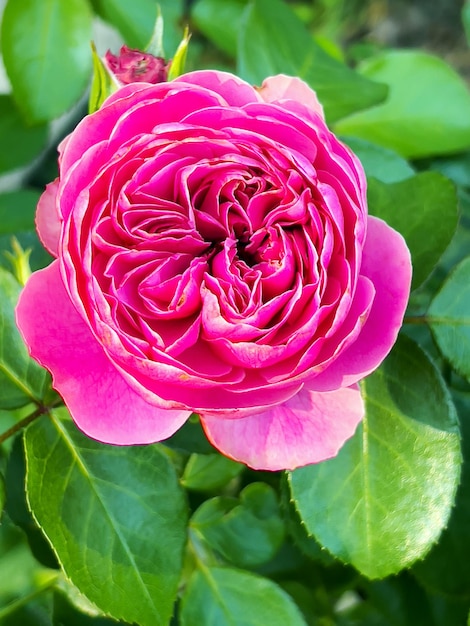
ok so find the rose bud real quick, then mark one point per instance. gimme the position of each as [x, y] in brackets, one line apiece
[214, 254]
[135, 66]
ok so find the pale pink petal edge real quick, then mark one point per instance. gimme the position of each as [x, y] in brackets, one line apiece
[47, 219]
[282, 87]
[309, 428]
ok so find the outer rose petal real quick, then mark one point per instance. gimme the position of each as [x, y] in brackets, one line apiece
[309, 428]
[100, 401]
[282, 87]
[47, 218]
[386, 262]
[233, 89]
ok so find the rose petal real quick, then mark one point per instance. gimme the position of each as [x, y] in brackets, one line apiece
[282, 87]
[48, 223]
[309, 428]
[386, 262]
[100, 401]
[236, 91]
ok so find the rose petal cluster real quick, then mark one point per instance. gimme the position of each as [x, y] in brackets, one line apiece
[214, 254]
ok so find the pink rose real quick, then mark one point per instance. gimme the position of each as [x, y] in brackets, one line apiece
[131, 66]
[214, 255]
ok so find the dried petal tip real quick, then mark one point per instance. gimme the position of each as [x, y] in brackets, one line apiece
[135, 66]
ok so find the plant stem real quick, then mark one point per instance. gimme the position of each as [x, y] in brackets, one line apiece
[416, 319]
[23, 423]
[20, 602]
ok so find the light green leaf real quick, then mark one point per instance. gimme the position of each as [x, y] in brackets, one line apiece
[102, 84]
[115, 516]
[179, 59]
[136, 20]
[226, 597]
[449, 318]
[246, 532]
[46, 51]
[381, 163]
[426, 112]
[424, 210]
[273, 40]
[24, 142]
[219, 22]
[206, 472]
[383, 501]
[22, 380]
[446, 569]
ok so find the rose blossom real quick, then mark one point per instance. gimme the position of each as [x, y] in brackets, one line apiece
[214, 255]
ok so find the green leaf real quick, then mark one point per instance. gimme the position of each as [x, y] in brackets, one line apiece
[424, 210]
[219, 22]
[24, 142]
[383, 501]
[136, 20]
[17, 211]
[273, 40]
[115, 516]
[46, 51]
[22, 380]
[179, 59]
[246, 532]
[449, 318]
[2, 494]
[426, 112]
[206, 472]
[102, 84]
[446, 569]
[225, 597]
[381, 163]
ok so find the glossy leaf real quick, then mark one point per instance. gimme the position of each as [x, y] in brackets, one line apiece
[22, 380]
[24, 142]
[426, 112]
[246, 532]
[205, 472]
[449, 318]
[424, 210]
[274, 41]
[136, 20]
[446, 569]
[115, 517]
[383, 501]
[381, 163]
[225, 597]
[46, 51]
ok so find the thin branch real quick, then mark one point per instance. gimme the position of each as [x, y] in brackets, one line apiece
[416, 319]
[23, 423]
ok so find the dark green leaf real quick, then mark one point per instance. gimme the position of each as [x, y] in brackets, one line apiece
[115, 516]
[446, 569]
[136, 20]
[426, 112]
[424, 210]
[225, 597]
[22, 380]
[206, 472]
[65, 613]
[273, 40]
[24, 142]
[383, 501]
[449, 318]
[17, 210]
[246, 532]
[2, 494]
[46, 51]
[381, 163]
[219, 22]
